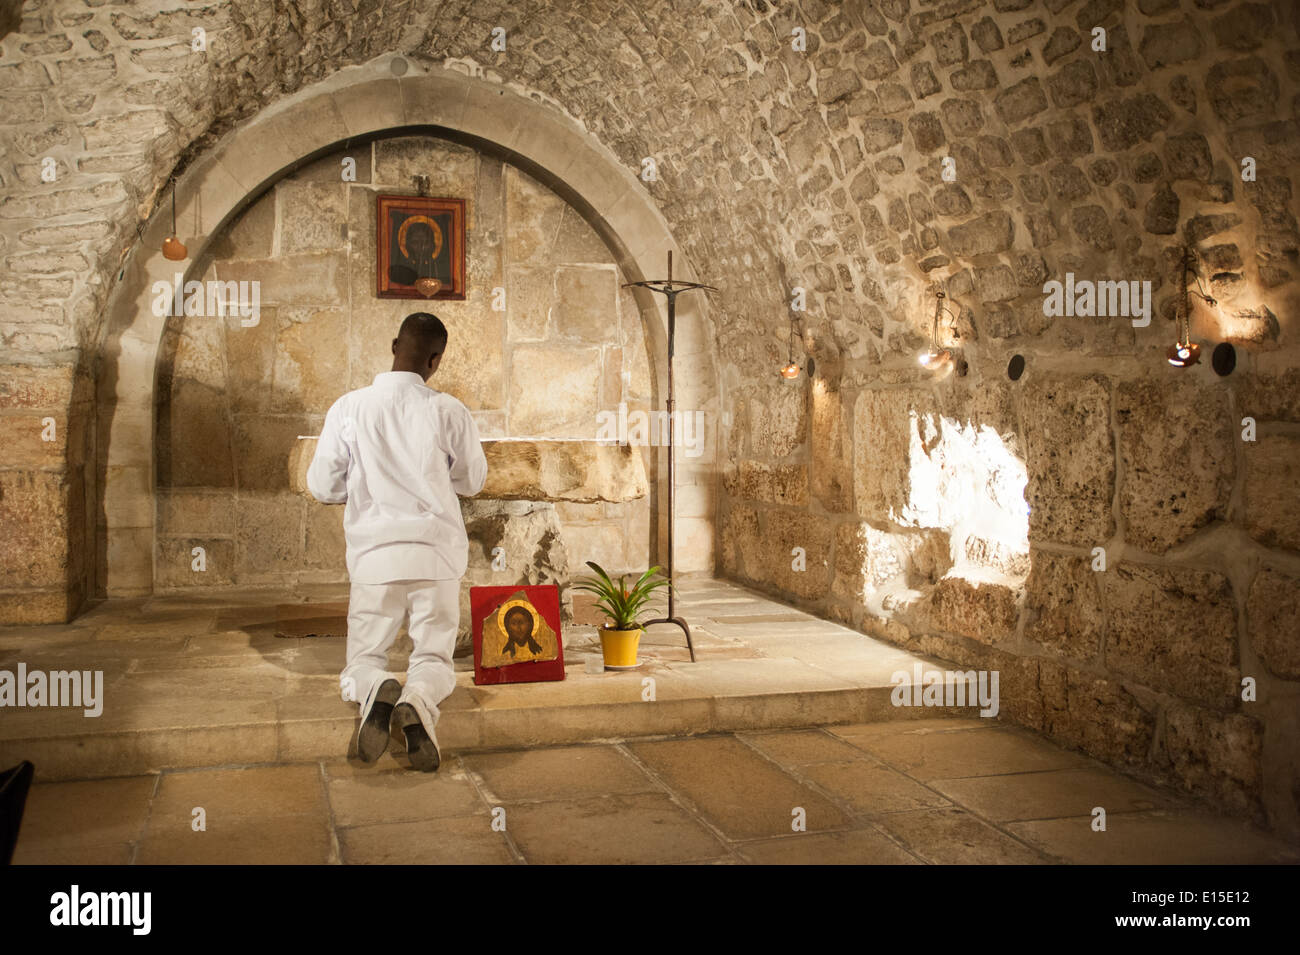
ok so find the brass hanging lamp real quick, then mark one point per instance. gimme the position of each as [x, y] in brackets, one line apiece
[791, 369]
[936, 360]
[1184, 353]
[172, 247]
[426, 285]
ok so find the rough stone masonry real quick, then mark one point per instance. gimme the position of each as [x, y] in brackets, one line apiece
[855, 158]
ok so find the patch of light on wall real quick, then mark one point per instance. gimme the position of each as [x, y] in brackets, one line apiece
[966, 479]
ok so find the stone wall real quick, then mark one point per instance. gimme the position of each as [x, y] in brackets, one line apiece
[47, 489]
[232, 399]
[849, 491]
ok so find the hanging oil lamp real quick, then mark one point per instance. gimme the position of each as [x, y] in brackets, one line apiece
[791, 368]
[426, 285]
[172, 247]
[937, 360]
[1184, 353]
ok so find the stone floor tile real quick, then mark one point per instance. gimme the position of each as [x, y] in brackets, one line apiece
[739, 791]
[89, 814]
[569, 772]
[855, 847]
[464, 840]
[644, 828]
[190, 660]
[976, 752]
[364, 799]
[758, 676]
[1166, 837]
[35, 854]
[753, 618]
[219, 642]
[241, 840]
[800, 747]
[955, 837]
[170, 625]
[858, 658]
[256, 792]
[1049, 795]
[46, 636]
[870, 788]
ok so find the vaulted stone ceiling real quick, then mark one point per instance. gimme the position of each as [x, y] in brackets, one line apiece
[777, 167]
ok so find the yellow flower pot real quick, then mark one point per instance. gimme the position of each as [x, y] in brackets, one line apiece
[619, 648]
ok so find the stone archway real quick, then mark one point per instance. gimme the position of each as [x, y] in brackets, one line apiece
[353, 103]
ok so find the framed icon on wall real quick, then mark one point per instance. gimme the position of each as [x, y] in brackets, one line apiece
[420, 243]
[516, 634]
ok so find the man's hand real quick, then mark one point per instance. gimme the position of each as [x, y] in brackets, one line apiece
[327, 478]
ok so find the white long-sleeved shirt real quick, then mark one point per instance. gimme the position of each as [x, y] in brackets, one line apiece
[398, 452]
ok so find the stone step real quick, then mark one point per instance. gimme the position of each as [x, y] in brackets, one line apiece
[312, 723]
[257, 682]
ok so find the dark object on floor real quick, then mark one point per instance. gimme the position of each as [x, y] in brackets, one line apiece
[419, 745]
[318, 626]
[372, 738]
[14, 784]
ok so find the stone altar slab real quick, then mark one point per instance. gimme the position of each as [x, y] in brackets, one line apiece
[535, 469]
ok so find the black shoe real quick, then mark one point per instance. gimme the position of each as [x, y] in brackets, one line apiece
[420, 746]
[372, 738]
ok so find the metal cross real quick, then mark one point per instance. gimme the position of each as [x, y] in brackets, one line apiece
[671, 290]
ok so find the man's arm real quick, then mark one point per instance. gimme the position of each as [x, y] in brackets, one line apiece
[327, 477]
[465, 453]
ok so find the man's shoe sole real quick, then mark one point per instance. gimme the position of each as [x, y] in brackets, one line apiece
[372, 738]
[419, 745]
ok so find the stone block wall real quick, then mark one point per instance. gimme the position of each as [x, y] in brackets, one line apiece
[862, 489]
[233, 399]
[1157, 572]
[47, 491]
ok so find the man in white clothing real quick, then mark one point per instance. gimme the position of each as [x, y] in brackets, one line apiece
[398, 453]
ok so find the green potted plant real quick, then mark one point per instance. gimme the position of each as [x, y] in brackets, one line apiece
[621, 635]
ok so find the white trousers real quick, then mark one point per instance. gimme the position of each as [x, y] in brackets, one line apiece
[375, 615]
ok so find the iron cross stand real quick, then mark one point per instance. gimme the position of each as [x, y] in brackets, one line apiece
[670, 289]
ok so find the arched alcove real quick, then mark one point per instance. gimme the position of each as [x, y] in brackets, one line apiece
[352, 105]
[546, 343]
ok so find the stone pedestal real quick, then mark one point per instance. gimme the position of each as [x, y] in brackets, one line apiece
[522, 538]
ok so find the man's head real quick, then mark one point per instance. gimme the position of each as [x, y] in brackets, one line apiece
[419, 344]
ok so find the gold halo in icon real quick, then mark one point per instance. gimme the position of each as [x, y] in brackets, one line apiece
[510, 604]
[411, 220]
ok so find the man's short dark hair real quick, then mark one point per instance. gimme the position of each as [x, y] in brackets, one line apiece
[423, 335]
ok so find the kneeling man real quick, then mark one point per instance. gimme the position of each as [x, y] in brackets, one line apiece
[398, 452]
